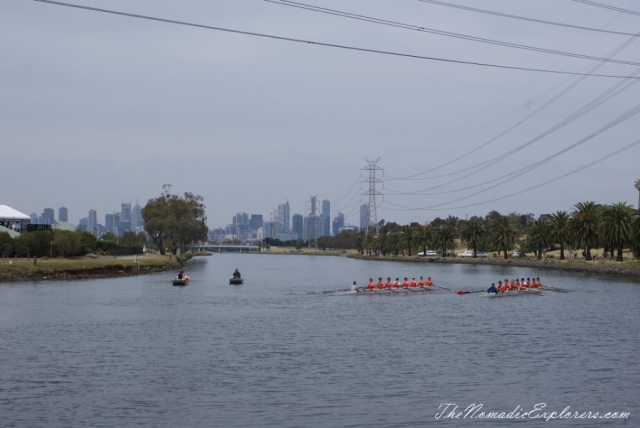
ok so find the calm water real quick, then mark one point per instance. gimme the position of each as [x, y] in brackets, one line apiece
[140, 352]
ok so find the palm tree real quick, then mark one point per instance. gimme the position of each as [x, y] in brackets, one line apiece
[472, 233]
[584, 226]
[425, 237]
[503, 233]
[560, 230]
[382, 244]
[616, 226]
[360, 244]
[444, 239]
[539, 232]
[394, 243]
[407, 238]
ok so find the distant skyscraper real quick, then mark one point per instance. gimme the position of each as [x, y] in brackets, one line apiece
[34, 218]
[92, 222]
[137, 221]
[338, 223]
[47, 217]
[83, 223]
[324, 227]
[297, 225]
[63, 214]
[284, 218]
[256, 221]
[364, 216]
[124, 225]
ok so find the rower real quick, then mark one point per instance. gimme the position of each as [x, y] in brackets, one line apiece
[413, 284]
[236, 274]
[429, 283]
[538, 283]
[421, 283]
[528, 283]
[493, 289]
[500, 287]
[180, 274]
[387, 285]
[405, 283]
[396, 283]
[369, 286]
[380, 284]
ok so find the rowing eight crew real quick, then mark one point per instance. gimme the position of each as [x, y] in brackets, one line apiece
[395, 285]
[515, 285]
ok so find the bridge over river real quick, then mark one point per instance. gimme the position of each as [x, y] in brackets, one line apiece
[217, 248]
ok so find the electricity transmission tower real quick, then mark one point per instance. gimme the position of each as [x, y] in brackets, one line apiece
[313, 224]
[372, 192]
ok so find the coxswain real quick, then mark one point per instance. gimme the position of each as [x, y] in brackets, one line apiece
[413, 284]
[396, 283]
[380, 284]
[405, 283]
[429, 283]
[387, 285]
[369, 286]
[354, 287]
[493, 289]
[236, 274]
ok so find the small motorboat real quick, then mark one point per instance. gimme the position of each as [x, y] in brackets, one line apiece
[236, 281]
[183, 281]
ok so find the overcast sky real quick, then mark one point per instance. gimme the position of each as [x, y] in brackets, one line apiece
[96, 108]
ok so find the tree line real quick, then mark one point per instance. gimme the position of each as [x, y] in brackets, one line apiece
[614, 227]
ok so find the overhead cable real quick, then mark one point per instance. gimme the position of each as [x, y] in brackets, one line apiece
[606, 6]
[331, 45]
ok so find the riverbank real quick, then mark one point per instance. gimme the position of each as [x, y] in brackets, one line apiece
[629, 269]
[83, 268]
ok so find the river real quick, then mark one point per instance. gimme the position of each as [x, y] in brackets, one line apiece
[138, 351]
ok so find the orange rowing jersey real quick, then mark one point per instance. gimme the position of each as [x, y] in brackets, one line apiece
[500, 288]
[379, 285]
[405, 284]
[412, 284]
[429, 283]
[369, 286]
[387, 285]
[396, 284]
[420, 283]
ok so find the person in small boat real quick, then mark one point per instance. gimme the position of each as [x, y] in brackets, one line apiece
[493, 289]
[180, 275]
[236, 274]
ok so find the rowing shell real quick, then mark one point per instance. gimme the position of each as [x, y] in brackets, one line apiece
[362, 292]
[512, 293]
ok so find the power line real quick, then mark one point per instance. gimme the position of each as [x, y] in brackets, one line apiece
[524, 18]
[331, 45]
[606, 6]
[519, 192]
[335, 12]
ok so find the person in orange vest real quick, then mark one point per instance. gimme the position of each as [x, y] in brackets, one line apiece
[429, 283]
[369, 286]
[405, 283]
[380, 284]
[396, 283]
[421, 283]
[413, 284]
[500, 287]
[387, 285]
[538, 283]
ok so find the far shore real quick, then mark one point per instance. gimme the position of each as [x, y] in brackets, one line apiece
[82, 268]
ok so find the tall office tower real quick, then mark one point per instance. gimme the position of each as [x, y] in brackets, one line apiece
[47, 217]
[297, 225]
[34, 218]
[124, 225]
[137, 221]
[241, 221]
[325, 222]
[63, 214]
[109, 223]
[92, 222]
[269, 229]
[364, 216]
[83, 223]
[256, 221]
[338, 223]
[283, 218]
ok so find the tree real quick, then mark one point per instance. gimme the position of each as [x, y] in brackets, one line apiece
[175, 220]
[408, 238]
[616, 226]
[424, 237]
[472, 233]
[637, 186]
[560, 230]
[444, 239]
[539, 233]
[6, 244]
[503, 233]
[584, 224]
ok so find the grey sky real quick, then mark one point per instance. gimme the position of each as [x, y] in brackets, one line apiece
[95, 108]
